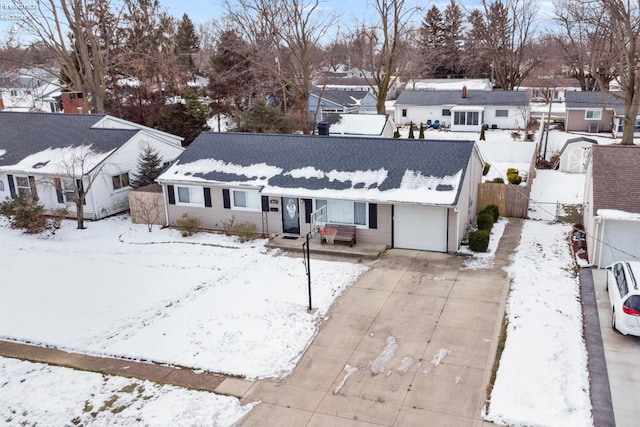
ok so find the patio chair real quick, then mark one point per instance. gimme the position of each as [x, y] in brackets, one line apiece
[436, 124]
[429, 123]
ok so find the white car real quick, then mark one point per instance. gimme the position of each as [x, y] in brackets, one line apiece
[623, 280]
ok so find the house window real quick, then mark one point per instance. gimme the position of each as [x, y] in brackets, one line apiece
[446, 112]
[468, 118]
[502, 113]
[68, 190]
[22, 186]
[246, 200]
[190, 196]
[593, 115]
[404, 112]
[120, 181]
[344, 211]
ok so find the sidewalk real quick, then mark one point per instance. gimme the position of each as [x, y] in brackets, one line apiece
[127, 368]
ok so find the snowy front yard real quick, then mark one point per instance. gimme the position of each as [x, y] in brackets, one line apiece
[204, 302]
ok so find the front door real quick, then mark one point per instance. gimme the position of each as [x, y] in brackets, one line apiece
[291, 215]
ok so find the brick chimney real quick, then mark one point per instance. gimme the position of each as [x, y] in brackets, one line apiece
[73, 103]
[464, 91]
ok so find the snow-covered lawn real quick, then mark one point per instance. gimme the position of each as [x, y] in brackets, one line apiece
[115, 289]
[36, 394]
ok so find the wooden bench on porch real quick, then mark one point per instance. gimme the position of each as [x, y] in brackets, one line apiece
[346, 234]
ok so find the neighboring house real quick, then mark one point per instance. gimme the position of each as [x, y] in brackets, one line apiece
[31, 95]
[356, 82]
[596, 112]
[574, 154]
[464, 110]
[339, 101]
[368, 125]
[49, 156]
[612, 204]
[412, 194]
[553, 89]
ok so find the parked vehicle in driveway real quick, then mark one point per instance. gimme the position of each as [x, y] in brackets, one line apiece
[622, 284]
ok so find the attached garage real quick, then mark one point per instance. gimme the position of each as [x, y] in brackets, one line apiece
[620, 241]
[420, 227]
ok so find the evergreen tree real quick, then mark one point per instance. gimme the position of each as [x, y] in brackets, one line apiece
[411, 135]
[188, 119]
[432, 42]
[421, 134]
[262, 118]
[452, 40]
[149, 168]
[187, 44]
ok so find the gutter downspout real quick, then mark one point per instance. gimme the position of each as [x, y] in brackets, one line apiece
[597, 241]
[166, 208]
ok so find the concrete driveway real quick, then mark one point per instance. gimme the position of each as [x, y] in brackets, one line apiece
[622, 354]
[411, 343]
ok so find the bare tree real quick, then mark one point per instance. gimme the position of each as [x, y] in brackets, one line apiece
[384, 46]
[78, 171]
[581, 33]
[508, 35]
[147, 206]
[79, 34]
[284, 35]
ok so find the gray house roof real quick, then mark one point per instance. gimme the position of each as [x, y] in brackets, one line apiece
[344, 98]
[583, 100]
[454, 97]
[26, 134]
[380, 169]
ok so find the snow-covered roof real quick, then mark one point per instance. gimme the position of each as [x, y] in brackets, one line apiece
[450, 84]
[373, 169]
[357, 124]
[41, 142]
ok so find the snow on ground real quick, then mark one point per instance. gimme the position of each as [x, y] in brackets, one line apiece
[205, 302]
[34, 393]
[234, 311]
[543, 377]
[552, 190]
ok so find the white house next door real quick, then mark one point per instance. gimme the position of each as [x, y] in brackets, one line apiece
[420, 227]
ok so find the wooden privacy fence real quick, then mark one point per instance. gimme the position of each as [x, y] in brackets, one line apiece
[147, 206]
[512, 200]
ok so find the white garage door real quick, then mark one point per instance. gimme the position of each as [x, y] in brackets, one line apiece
[620, 242]
[420, 227]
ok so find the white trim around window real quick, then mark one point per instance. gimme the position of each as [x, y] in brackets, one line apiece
[189, 196]
[246, 200]
[345, 212]
[593, 114]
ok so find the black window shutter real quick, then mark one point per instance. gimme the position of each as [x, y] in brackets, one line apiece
[80, 187]
[265, 203]
[12, 187]
[171, 195]
[373, 215]
[307, 210]
[207, 197]
[58, 185]
[226, 199]
[32, 184]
